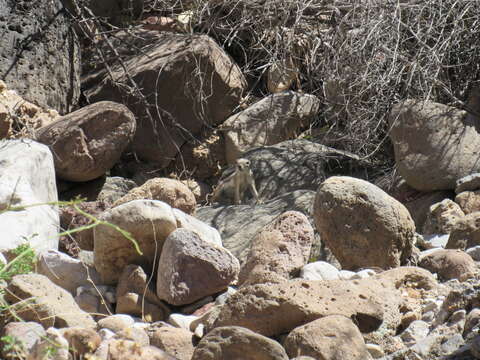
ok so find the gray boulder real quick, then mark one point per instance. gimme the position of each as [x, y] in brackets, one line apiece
[40, 53]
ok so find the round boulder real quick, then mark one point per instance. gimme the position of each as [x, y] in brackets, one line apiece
[88, 142]
[362, 225]
[450, 264]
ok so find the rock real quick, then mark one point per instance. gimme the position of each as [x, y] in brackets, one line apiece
[199, 189]
[134, 333]
[415, 332]
[435, 241]
[148, 221]
[375, 351]
[279, 250]
[450, 264]
[44, 346]
[114, 188]
[116, 322]
[42, 69]
[135, 297]
[207, 233]
[362, 225]
[238, 225]
[320, 270]
[279, 308]
[24, 184]
[469, 201]
[443, 217]
[49, 305]
[466, 233]
[27, 333]
[71, 219]
[130, 350]
[174, 341]
[65, 271]
[81, 341]
[169, 119]
[235, 343]
[468, 183]
[190, 268]
[18, 117]
[173, 192]
[88, 142]
[474, 252]
[472, 321]
[475, 347]
[222, 298]
[419, 207]
[98, 299]
[329, 338]
[434, 145]
[273, 119]
[297, 165]
[181, 321]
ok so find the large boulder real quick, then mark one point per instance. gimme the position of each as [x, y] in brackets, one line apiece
[190, 268]
[40, 53]
[27, 177]
[296, 165]
[362, 225]
[88, 142]
[47, 303]
[176, 100]
[279, 250]
[434, 144]
[236, 343]
[238, 225]
[329, 338]
[273, 119]
[149, 222]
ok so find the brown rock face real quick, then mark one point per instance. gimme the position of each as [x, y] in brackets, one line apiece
[466, 233]
[49, 304]
[279, 250]
[434, 144]
[362, 225]
[450, 264]
[173, 192]
[174, 341]
[88, 142]
[273, 309]
[469, 201]
[190, 268]
[188, 82]
[237, 343]
[329, 338]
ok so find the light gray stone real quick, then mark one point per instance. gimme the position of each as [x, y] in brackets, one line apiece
[474, 252]
[416, 331]
[468, 183]
[319, 270]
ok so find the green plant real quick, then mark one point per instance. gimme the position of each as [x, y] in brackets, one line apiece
[23, 263]
[13, 347]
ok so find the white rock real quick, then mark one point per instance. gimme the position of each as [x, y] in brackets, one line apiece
[319, 270]
[181, 321]
[346, 274]
[222, 298]
[27, 177]
[416, 331]
[116, 322]
[204, 231]
[363, 274]
[436, 240]
[375, 350]
[474, 252]
[65, 271]
[106, 334]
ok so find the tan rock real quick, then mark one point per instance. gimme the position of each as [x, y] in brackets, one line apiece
[420, 206]
[28, 333]
[133, 333]
[47, 303]
[469, 201]
[88, 142]
[362, 225]
[190, 268]
[433, 144]
[199, 189]
[81, 341]
[237, 343]
[466, 233]
[171, 191]
[273, 119]
[279, 251]
[130, 350]
[273, 309]
[174, 341]
[135, 280]
[148, 221]
[174, 104]
[134, 304]
[329, 338]
[450, 264]
[116, 322]
[442, 217]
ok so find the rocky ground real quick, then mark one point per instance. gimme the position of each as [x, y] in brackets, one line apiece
[326, 266]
